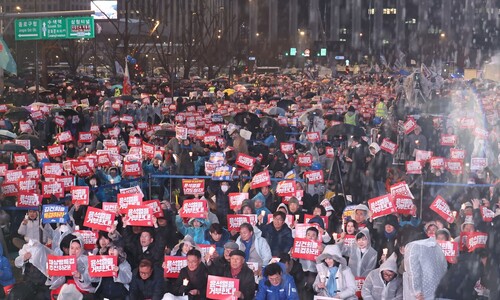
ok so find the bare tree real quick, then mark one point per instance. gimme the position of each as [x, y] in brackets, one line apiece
[74, 52]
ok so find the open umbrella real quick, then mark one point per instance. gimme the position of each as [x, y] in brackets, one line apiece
[7, 135]
[285, 103]
[11, 147]
[69, 112]
[33, 89]
[344, 129]
[127, 98]
[165, 133]
[276, 111]
[247, 120]
[17, 113]
[229, 91]
[117, 86]
[34, 140]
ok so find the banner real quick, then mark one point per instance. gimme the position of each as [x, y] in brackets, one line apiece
[99, 219]
[52, 188]
[61, 265]
[53, 213]
[305, 249]
[450, 250]
[245, 161]
[440, 206]
[173, 266]
[28, 200]
[236, 199]
[222, 173]
[314, 177]
[125, 200]
[401, 189]
[155, 207]
[413, 167]
[89, 238]
[80, 195]
[234, 221]
[140, 215]
[381, 206]
[286, 188]
[193, 186]
[404, 205]
[221, 288]
[132, 168]
[194, 209]
[261, 179]
[102, 265]
[287, 148]
[304, 160]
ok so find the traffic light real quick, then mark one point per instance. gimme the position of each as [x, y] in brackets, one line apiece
[322, 52]
[293, 51]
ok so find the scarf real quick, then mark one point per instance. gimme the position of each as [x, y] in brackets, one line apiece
[248, 245]
[236, 272]
[390, 236]
[331, 285]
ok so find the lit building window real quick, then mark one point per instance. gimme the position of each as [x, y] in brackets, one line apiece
[371, 11]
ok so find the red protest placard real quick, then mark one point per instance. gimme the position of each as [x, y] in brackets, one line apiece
[193, 186]
[41, 154]
[287, 148]
[80, 195]
[304, 160]
[245, 161]
[28, 200]
[65, 137]
[450, 250]
[478, 163]
[401, 189]
[236, 199]
[440, 206]
[437, 162]
[194, 209]
[221, 288]
[359, 285]
[480, 133]
[261, 179]
[413, 167]
[55, 150]
[110, 206]
[457, 154]
[305, 249]
[127, 119]
[21, 159]
[132, 169]
[3, 169]
[89, 238]
[234, 221]
[61, 265]
[313, 136]
[409, 125]
[155, 207]
[102, 265]
[286, 188]
[85, 137]
[388, 146]
[487, 214]
[404, 205]
[142, 125]
[55, 169]
[95, 129]
[148, 150]
[104, 160]
[60, 121]
[10, 189]
[173, 266]
[454, 166]
[448, 140]
[27, 185]
[66, 181]
[476, 240]
[422, 156]
[99, 219]
[125, 200]
[140, 215]
[314, 177]
[381, 206]
[330, 152]
[32, 173]
[25, 143]
[13, 175]
[82, 169]
[349, 240]
[467, 123]
[52, 188]
[134, 141]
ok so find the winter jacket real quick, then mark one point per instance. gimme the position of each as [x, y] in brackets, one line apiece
[425, 265]
[31, 230]
[84, 283]
[247, 281]
[375, 287]
[219, 246]
[116, 287]
[151, 288]
[198, 233]
[259, 249]
[280, 241]
[285, 291]
[6, 276]
[361, 265]
[197, 281]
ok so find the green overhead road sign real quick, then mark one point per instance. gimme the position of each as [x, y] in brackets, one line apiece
[54, 28]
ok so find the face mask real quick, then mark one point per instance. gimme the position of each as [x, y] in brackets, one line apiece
[224, 188]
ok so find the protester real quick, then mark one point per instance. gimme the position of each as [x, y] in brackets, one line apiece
[147, 282]
[384, 282]
[192, 279]
[277, 234]
[238, 269]
[276, 284]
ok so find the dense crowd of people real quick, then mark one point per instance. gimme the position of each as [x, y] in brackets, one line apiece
[344, 143]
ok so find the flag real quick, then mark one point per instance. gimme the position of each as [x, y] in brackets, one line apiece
[127, 90]
[119, 69]
[6, 60]
[383, 61]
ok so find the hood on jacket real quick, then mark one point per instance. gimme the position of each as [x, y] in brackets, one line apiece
[390, 264]
[223, 239]
[283, 205]
[375, 147]
[191, 221]
[366, 233]
[333, 252]
[444, 231]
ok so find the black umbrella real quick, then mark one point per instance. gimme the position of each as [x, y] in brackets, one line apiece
[7, 135]
[247, 120]
[193, 103]
[55, 110]
[285, 103]
[127, 98]
[34, 140]
[69, 112]
[165, 133]
[345, 129]
[17, 83]
[17, 113]
[11, 147]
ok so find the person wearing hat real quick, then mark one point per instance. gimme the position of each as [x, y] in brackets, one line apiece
[238, 269]
[351, 116]
[239, 143]
[335, 278]
[295, 209]
[218, 263]
[277, 234]
[387, 240]
[384, 282]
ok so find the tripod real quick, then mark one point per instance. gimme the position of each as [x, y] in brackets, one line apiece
[336, 165]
